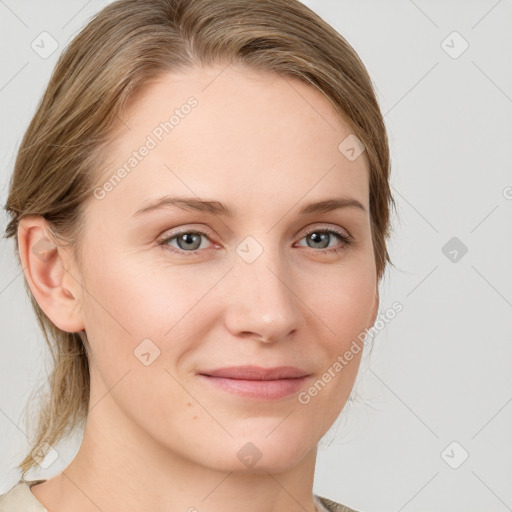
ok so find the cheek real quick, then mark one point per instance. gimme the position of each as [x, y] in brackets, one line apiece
[345, 301]
[135, 297]
[127, 303]
[136, 325]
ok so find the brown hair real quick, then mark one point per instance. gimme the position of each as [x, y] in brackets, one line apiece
[125, 47]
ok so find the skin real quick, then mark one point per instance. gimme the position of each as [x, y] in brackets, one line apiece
[157, 437]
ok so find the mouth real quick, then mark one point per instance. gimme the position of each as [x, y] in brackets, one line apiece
[257, 382]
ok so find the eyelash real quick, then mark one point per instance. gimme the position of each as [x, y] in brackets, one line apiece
[347, 240]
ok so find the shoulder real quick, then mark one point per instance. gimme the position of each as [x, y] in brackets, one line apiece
[330, 506]
[20, 499]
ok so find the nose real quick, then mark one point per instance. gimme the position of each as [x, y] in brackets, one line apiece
[261, 301]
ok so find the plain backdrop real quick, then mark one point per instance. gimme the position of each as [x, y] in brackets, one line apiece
[430, 428]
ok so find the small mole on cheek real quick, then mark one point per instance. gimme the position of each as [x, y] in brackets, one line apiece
[189, 404]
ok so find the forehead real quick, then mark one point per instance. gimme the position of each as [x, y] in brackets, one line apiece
[232, 131]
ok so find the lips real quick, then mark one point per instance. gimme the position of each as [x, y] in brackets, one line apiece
[257, 383]
[256, 373]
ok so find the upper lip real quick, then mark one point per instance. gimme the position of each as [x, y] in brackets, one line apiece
[256, 372]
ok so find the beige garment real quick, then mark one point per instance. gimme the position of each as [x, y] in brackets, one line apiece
[21, 499]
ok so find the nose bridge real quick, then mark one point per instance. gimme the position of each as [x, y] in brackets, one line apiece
[261, 301]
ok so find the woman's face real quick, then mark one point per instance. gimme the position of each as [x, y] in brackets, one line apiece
[264, 286]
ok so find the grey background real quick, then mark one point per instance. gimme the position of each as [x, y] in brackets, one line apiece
[440, 371]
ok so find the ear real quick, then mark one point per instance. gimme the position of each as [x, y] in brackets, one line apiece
[46, 267]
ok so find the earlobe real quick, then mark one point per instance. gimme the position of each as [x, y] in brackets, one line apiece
[43, 263]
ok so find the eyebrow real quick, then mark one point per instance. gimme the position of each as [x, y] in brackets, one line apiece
[218, 208]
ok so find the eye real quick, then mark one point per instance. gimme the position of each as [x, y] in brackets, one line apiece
[187, 241]
[320, 239]
[192, 241]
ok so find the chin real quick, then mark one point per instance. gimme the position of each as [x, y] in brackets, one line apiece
[261, 455]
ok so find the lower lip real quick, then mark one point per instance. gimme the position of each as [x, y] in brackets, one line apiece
[258, 389]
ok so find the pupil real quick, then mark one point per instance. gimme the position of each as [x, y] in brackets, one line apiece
[188, 238]
[317, 238]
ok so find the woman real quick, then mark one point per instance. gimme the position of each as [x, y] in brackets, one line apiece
[201, 206]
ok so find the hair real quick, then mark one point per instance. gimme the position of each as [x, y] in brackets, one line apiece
[124, 48]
